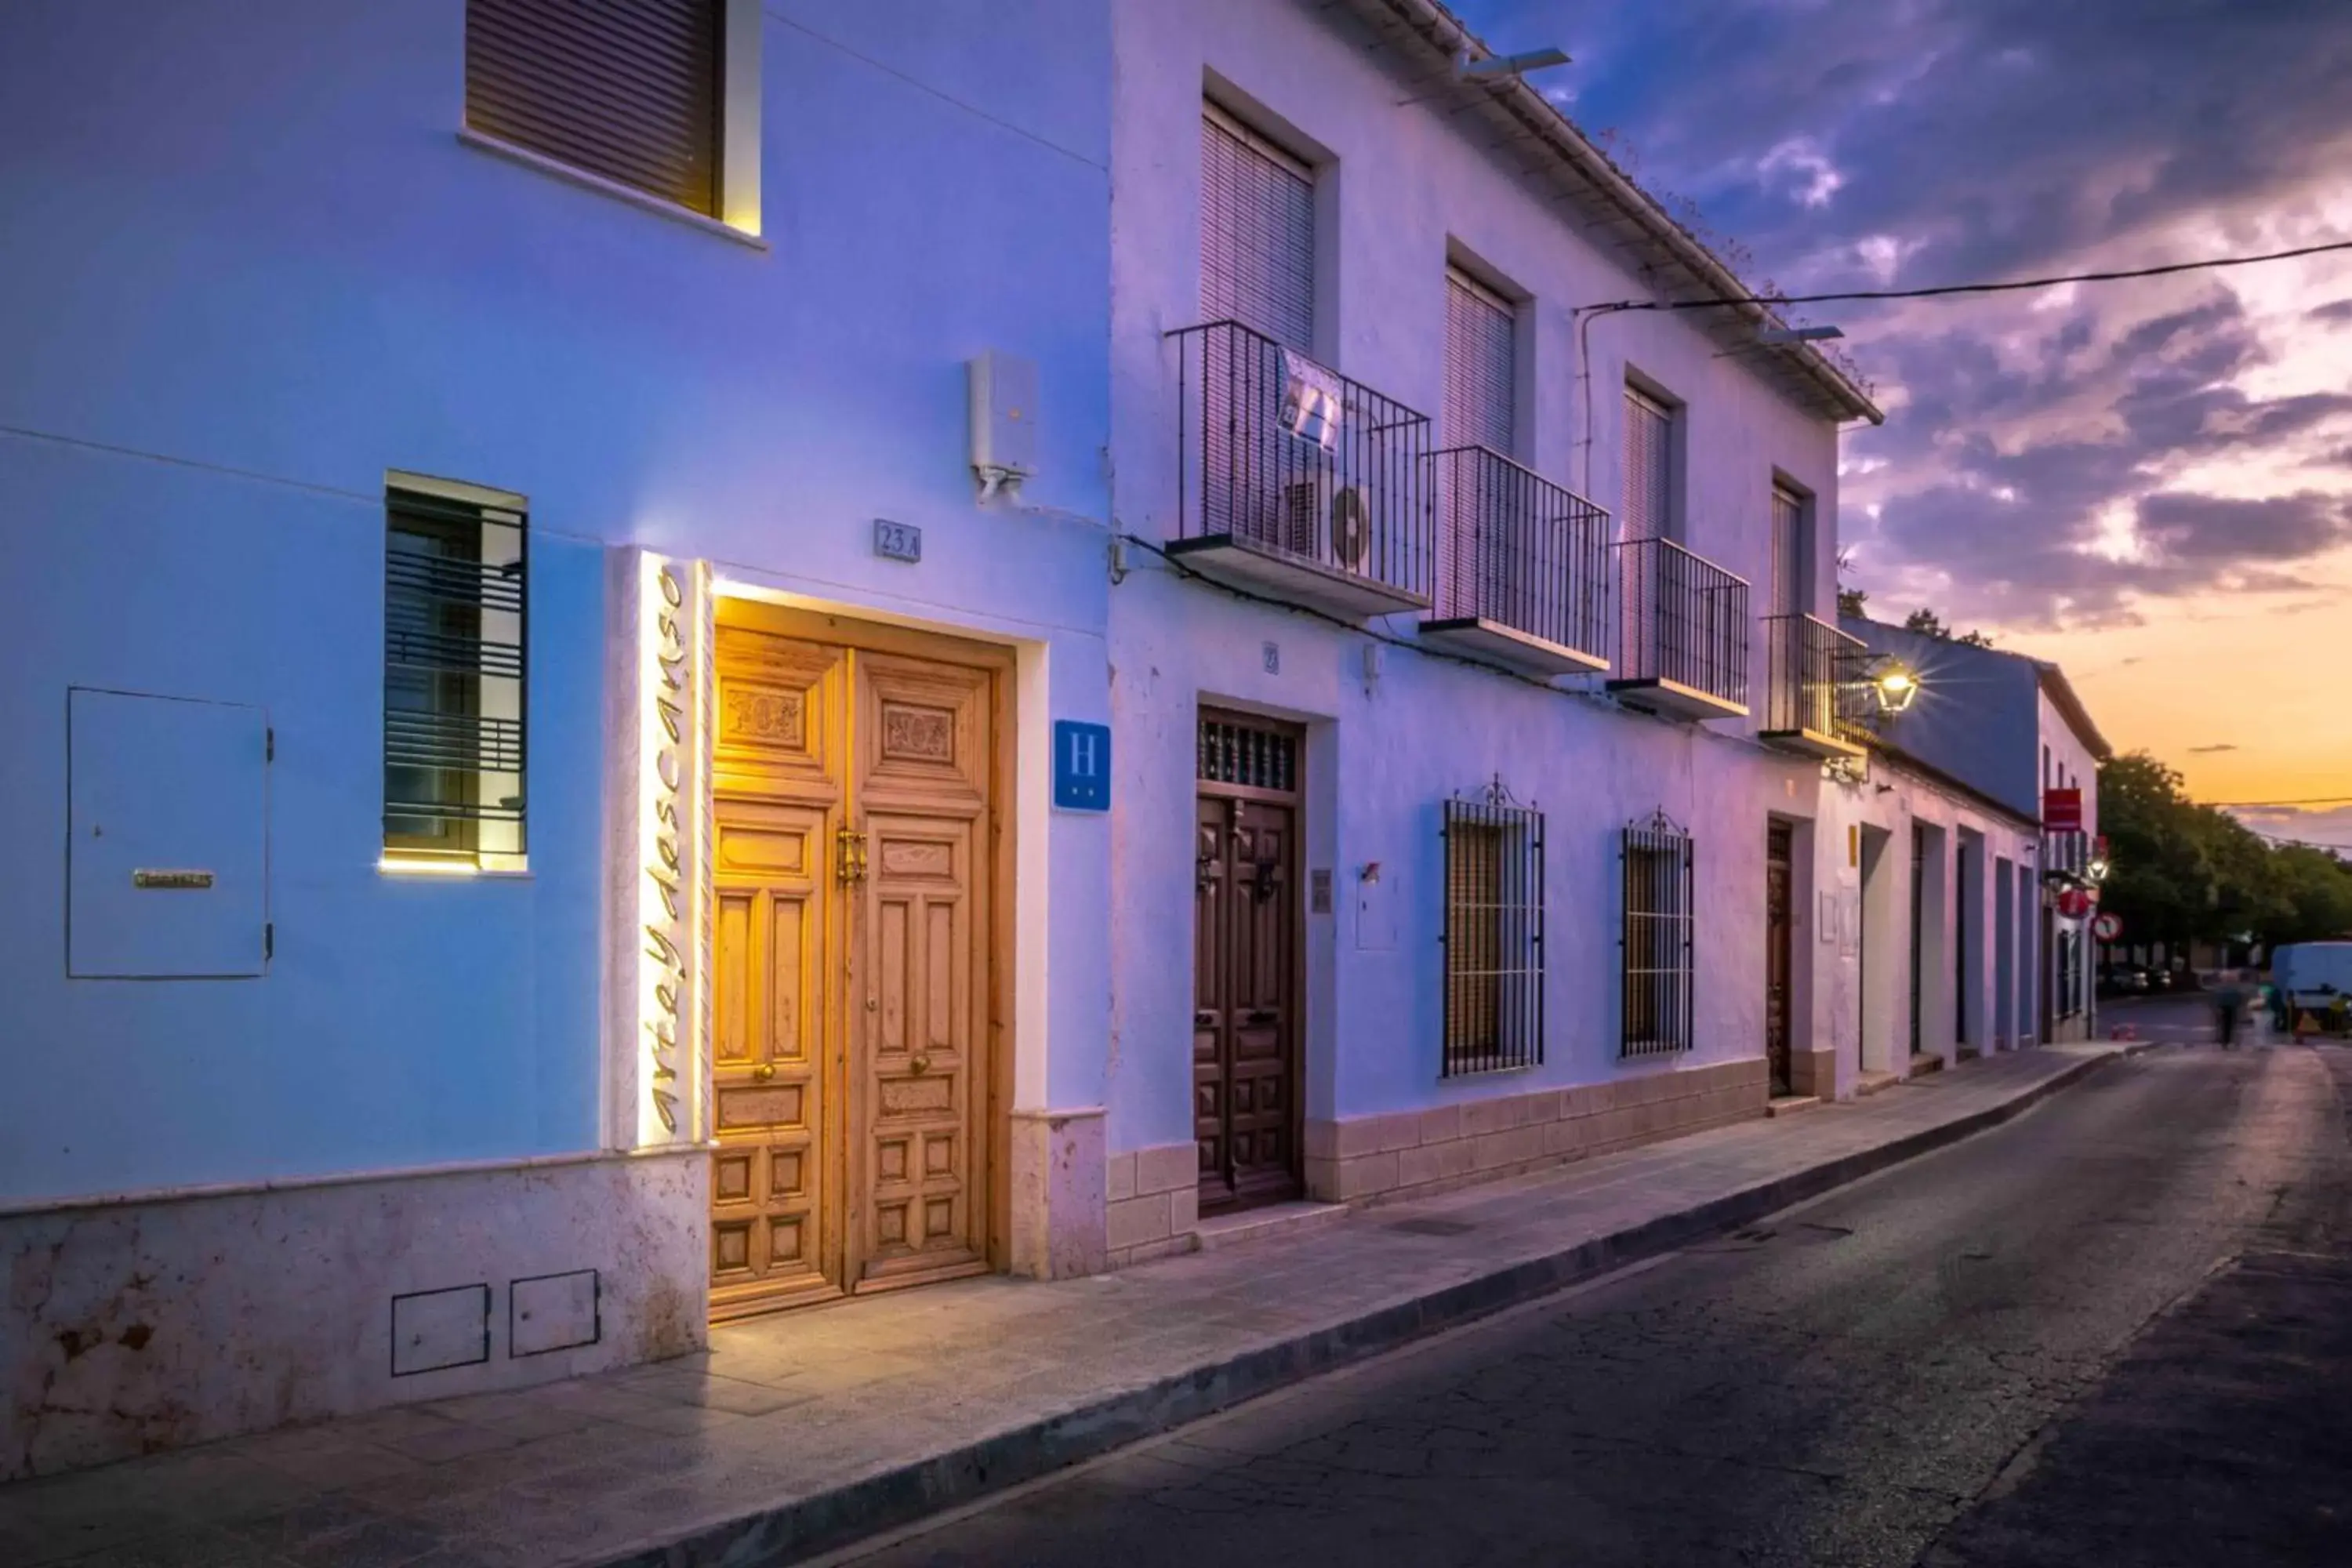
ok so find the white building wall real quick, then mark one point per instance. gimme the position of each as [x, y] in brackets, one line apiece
[250, 267]
[1396, 187]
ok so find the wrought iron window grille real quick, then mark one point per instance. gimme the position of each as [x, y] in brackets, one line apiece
[1656, 943]
[455, 685]
[1243, 754]
[1494, 936]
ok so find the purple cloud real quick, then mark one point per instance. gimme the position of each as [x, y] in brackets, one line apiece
[1854, 143]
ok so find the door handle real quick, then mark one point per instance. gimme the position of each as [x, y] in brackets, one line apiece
[919, 1066]
[849, 856]
[1204, 1020]
[764, 1071]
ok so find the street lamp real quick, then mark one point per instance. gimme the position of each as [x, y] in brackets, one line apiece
[1894, 684]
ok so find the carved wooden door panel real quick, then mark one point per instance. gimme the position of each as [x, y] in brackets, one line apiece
[779, 792]
[1778, 955]
[918, 968]
[1245, 1020]
[1212, 873]
[1261, 1025]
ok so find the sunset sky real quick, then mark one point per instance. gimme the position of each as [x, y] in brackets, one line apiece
[2149, 482]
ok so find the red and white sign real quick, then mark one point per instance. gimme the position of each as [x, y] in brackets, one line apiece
[2062, 811]
[2073, 903]
[2108, 926]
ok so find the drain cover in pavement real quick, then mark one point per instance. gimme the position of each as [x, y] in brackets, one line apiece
[1432, 1225]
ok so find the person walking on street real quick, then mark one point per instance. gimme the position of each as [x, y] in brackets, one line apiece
[2228, 1000]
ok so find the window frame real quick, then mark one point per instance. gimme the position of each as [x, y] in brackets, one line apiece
[1673, 415]
[430, 620]
[736, 211]
[1216, 120]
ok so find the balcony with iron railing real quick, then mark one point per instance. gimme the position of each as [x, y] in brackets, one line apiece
[1296, 482]
[1682, 632]
[1814, 694]
[1523, 573]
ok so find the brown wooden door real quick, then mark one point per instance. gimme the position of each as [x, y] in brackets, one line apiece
[1778, 953]
[1246, 955]
[854, 866]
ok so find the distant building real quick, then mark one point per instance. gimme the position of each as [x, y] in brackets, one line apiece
[2010, 731]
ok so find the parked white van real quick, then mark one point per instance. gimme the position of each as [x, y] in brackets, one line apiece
[2313, 970]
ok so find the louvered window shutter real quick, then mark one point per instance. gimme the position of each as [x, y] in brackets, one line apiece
[625, 88]
[1257, 235]
[1649, 458]
[1479, 366]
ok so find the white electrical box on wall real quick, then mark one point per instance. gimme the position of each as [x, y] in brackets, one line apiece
[1004, 420]
[167, 838]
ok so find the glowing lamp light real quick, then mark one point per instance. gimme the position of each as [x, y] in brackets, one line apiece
[1894, 686]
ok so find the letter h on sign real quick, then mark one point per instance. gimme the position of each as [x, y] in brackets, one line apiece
[1081, 765]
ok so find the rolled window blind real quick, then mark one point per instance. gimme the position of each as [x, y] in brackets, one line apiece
[1478, 365]
[1649, 473]
[625, 88]
[1257, 235]
[1788, 551]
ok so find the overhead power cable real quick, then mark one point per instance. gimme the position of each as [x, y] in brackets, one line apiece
[2010, 286]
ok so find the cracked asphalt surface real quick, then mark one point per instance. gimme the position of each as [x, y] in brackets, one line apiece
[2110, 1330]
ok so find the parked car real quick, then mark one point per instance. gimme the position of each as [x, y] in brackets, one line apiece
[2123, 980]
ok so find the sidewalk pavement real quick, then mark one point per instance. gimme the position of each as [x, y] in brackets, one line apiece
[799, 1431]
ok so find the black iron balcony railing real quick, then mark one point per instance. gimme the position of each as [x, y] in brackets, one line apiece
[1682, 630]
[1358, 507]
[1521, 552]
[1813, 686]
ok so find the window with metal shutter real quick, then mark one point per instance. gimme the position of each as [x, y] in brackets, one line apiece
[1479, 365]
[1788, 594]
[625, 88]
[1649, 468]
[1257, 234]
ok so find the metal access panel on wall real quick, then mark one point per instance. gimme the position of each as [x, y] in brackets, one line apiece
[167, 838]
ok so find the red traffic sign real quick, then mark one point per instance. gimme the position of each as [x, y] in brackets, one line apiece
[2062, 811]
[2108, 926]
[2073, 903]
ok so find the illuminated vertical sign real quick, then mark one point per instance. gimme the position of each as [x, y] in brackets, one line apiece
[660, 948]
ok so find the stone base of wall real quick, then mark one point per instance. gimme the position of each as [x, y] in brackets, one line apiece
[133, 1326]
[1154, 1202]
[1416, 1152]
[1058, 1193]
[1813, 1072]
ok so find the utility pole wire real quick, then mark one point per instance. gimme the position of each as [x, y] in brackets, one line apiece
[1942, 288]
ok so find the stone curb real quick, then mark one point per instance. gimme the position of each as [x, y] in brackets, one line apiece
[829, 1520]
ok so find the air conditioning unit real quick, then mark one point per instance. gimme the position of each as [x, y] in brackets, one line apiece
[1328, 518]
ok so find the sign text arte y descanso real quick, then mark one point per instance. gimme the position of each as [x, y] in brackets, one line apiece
[667, 940]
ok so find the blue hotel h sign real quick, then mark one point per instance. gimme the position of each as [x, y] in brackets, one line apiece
[1081, 765]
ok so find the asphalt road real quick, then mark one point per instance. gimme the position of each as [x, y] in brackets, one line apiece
[2113, 1331]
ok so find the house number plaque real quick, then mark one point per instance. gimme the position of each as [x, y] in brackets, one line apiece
[189, 879]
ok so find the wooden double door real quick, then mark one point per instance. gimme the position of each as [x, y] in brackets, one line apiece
[856, 867]
[1245, 915]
